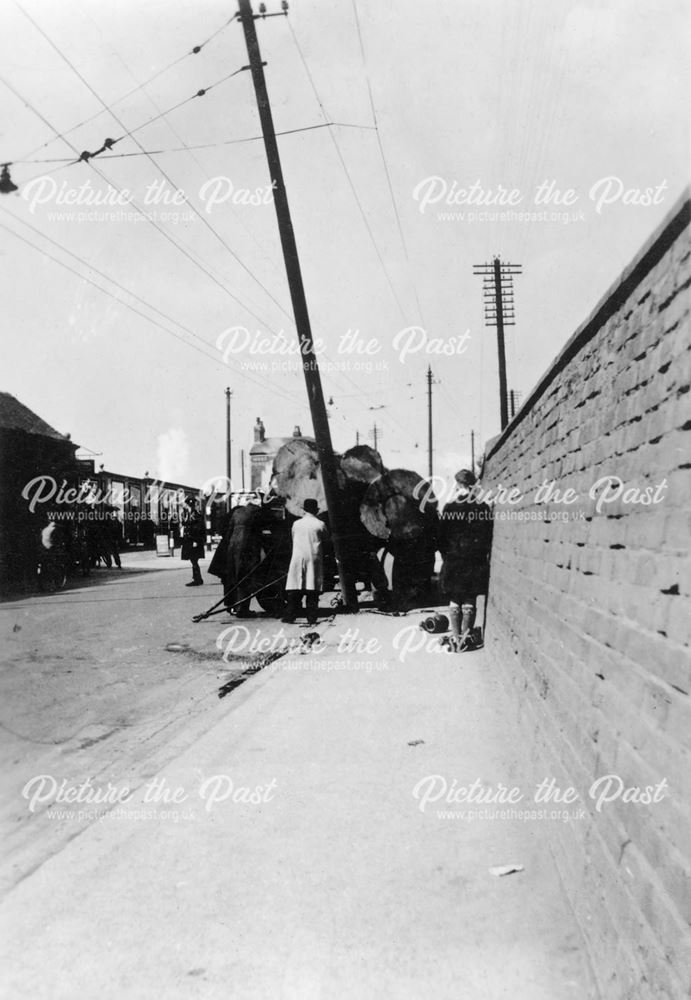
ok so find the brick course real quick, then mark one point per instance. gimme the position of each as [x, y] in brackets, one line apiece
[591, 617]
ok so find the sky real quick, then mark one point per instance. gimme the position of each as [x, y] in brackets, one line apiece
[125, 323]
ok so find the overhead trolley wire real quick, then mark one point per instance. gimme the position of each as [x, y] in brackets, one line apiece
[202, 218]
[186, 148]
[193, 51]
[383, 158]
[166, 235]
[109, 143]
[213, 357]
[203, 145]
[179, 246]
[346, 171]
[345, 375]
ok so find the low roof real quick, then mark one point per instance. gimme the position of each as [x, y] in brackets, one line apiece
[269, 446]
[17, 417]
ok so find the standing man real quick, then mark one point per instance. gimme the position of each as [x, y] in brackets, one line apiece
[194, 540]
[465, 539]
[114, 536]
[306, 570]
[239, 554]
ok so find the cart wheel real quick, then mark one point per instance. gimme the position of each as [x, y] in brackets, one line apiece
[276, 561]
[52, 577]
[271, 599]
[271, 603]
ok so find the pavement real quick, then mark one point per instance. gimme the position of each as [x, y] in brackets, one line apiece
[296, 838]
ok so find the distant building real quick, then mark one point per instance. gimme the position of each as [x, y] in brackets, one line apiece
[35, 460]
[263, 452]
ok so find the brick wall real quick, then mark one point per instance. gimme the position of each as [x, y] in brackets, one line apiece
[591, 617]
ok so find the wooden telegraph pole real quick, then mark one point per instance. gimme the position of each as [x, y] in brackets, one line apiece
[515, 397]
[310, 366]
[429, 421]
[498, 296]
[228, 454]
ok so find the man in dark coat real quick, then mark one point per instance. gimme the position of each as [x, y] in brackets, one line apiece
[465, 539]
[238, 555]
[194, 540]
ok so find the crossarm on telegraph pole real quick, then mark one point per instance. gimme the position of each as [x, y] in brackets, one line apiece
[499, 312]
[310, 366]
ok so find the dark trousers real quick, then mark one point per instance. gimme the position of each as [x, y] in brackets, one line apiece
[236, 599]
[294, 601]
[196, 572]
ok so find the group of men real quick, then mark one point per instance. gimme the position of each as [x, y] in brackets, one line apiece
[90, 536]
[463, 538]
[239, 554]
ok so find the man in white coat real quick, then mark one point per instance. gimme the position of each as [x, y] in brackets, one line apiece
[306, 570]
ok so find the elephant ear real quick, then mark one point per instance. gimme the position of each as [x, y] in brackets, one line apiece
[362, 464]
[392, 506]
[297, 476]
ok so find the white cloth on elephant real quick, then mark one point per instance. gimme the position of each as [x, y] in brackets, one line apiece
[306, 570]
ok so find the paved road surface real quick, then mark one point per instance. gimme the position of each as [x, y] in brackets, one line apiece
[88, 688]
[333, 882]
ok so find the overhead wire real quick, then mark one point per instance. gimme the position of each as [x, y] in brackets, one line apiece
[384, 161]
[108, 155]
[213, 357]
[107, 277]
[341, 159]
[543, 103]
[195, 50]
[353, 189]
[180, 246]
[337, 375]
[245, 375]
[387, 172]
[186, 147]
[328, 376]
[105, 291]
[202, 92]
[166, 176]
[202, 218]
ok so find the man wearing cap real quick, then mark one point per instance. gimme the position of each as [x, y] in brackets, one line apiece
[194, 539]
[306, 570]
[465, 538]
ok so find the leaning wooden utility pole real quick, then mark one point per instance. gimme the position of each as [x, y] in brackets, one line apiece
[498, 295]
[310, 366]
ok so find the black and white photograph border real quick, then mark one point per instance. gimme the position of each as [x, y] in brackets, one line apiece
[345, 500]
